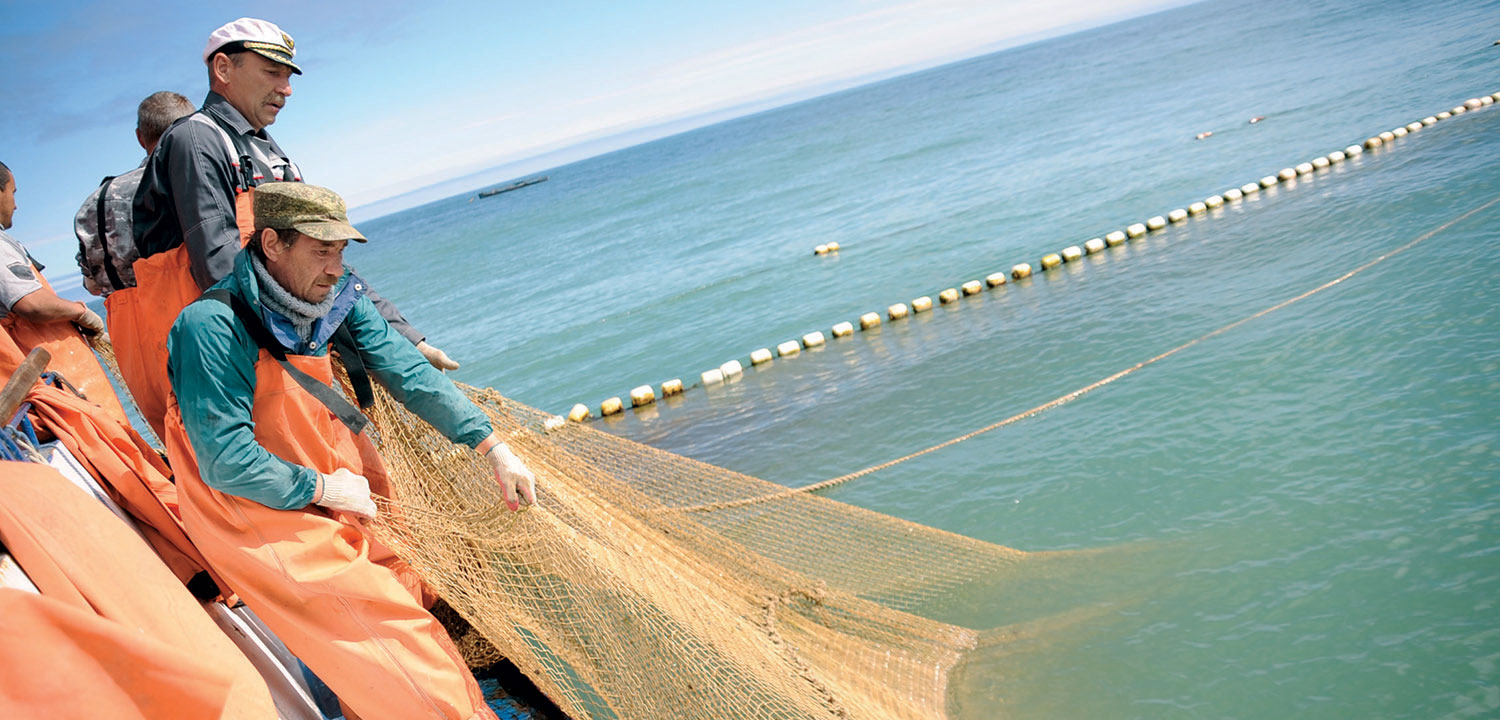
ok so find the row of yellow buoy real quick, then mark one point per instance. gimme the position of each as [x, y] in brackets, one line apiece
[646, 394]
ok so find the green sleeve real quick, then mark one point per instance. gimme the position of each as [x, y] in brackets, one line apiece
[211, 362]
[395, 363]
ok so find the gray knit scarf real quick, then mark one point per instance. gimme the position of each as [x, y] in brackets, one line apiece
[301, 313]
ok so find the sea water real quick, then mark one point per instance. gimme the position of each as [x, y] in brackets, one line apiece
[1295, 518]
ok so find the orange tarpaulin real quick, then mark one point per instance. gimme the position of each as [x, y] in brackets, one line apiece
[128, 468]
[85, 559]
[135, 477]
[66, 662]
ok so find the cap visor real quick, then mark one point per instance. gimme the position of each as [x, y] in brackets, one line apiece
[278, 57]
[330, 231]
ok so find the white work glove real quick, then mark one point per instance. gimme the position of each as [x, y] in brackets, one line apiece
[90, 322]
[343, 490]
[436, 357]
[513, 476]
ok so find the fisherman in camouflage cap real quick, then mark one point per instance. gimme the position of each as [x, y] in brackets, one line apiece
[275, 472]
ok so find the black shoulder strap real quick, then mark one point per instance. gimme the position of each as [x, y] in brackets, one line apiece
[109, 259]
[354, 364]
[336, 404]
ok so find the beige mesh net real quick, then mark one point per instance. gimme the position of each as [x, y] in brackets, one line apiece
[617, 603]
[649, 585]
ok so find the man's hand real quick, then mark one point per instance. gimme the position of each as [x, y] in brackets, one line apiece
[90, 322]
[436, 357]
[513, 475]
[343, 490]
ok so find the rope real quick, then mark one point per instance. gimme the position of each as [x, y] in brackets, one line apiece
[104, 350]
[1080, 392]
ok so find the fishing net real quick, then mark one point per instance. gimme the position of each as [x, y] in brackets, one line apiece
[650, 585]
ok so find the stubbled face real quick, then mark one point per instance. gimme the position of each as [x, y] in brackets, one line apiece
[309, 268]
[7, 204]
[255, 85]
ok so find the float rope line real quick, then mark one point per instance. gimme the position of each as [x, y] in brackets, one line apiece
[1080, 392]
[645, 396]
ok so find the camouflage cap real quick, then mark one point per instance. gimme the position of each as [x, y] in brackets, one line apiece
[311, 210]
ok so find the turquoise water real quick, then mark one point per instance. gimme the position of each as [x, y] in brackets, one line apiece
[1297, 518]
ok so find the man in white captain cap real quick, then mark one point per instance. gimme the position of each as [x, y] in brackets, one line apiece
[193, 210]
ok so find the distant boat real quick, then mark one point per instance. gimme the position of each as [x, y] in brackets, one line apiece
[517, 185]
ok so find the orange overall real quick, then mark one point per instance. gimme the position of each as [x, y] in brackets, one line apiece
[339, 600]
[116, 636]
[140, 317]
[11, 357]
[71, 356]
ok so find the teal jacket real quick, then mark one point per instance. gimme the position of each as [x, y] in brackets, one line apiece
[211, 363]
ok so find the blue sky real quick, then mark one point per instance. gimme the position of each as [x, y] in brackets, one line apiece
[401, 96]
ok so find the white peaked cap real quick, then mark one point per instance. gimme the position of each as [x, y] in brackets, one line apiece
[259, 36]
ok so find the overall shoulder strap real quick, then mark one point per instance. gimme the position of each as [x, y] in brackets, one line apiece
[247, 152]
[354, 364]
[349, 415]
[239, 157]
[102, 239]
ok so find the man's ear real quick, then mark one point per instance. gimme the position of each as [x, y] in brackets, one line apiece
[219, 67]
[270, 244]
